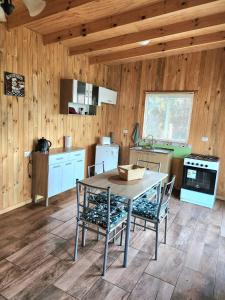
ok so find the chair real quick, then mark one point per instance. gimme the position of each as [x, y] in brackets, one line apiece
[92, 169]
[153, 166]
[154, 212]
[156, 166]
[104, 217]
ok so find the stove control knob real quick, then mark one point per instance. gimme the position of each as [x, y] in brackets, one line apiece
[188, 163]
[206, 166]
[197, 164]
[201, 165]
[192, 164]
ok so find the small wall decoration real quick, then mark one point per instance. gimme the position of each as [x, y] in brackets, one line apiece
[14, 84]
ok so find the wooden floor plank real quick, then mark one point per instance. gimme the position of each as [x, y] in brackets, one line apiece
[30, 284]
[179, 236]
[65, 214]
[34, 253]
[168, 265]
[193, 285]
[8, 273]
[53, 293]
[219, 291]
[65, 230]
[78, 280]
[104, 290]
[151, 288]
[127, 278]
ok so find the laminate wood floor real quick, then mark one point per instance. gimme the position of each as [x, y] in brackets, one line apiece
[36, 247]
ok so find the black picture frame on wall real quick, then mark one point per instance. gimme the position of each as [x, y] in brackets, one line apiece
[14, 84]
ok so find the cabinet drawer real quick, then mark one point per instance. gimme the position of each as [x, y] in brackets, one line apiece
[58, 158]
[77, 155]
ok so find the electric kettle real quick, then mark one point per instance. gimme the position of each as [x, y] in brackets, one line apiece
[43, 145]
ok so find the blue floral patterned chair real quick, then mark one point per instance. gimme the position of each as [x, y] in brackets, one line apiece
[154, 212]
[98, 211]
[152, 193]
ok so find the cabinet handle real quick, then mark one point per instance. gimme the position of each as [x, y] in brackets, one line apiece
[59, 158]
[80, 160]
[68, 164]
[56, 167]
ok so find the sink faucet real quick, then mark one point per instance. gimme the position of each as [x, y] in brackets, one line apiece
[150, 137]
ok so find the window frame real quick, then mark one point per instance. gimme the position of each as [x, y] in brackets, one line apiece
[167, 141]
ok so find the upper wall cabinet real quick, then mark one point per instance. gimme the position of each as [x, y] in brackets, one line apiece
[77, 97]
[106, 96]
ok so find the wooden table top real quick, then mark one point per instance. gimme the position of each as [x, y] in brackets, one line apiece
[130, 189]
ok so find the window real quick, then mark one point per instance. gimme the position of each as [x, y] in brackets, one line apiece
[168, 116]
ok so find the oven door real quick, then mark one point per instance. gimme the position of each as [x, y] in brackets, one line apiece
[200, 180]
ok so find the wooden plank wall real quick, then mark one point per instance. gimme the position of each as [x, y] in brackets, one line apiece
[203, 72]
[23, 120]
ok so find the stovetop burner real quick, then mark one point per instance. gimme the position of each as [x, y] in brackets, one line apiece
[203, 157]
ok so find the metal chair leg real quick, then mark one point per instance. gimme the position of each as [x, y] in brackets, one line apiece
[76, 242]
[165, 231]
[114, 239]
[134, 223]
[105, 254]
[83, 235]
[98, 235]
[121, 236]
[145, 225]
[156, 241]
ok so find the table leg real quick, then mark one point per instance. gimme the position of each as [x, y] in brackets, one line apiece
[125, 261]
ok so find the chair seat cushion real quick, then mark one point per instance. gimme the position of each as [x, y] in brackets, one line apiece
[101, 198]
[144, 208]
[98, 215]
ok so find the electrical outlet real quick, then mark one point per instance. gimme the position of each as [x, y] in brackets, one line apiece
[205, 139]
[125, 131]
[27, 153]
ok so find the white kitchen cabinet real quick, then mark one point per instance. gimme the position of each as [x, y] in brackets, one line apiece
[68, 171]
[56, 172]
[106, 96]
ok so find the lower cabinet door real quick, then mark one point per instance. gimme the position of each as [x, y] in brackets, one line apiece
[78, 169]
[54, 180]
[68, 181]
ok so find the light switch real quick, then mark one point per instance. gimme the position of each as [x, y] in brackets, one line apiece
[205, 139]
[125, 131]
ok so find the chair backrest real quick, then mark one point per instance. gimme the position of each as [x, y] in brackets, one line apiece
[166, 195]
[92, 169]
[149, 165]
[84, 191]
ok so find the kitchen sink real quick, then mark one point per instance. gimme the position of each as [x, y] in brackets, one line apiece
[155, 150]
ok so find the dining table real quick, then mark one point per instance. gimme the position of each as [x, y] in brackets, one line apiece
[129, 189]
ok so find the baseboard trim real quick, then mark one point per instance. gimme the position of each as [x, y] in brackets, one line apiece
[220, 197]
[5, 210]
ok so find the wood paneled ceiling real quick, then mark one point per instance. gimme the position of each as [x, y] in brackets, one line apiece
[109, 31]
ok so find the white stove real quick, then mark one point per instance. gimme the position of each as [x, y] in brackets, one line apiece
[200, 179]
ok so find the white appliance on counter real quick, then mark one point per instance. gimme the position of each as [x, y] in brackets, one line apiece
[109, 154]
[105, 140]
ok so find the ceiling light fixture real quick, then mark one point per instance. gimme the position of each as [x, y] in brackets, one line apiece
[7, 6]
[2, 15]
[35, 7]
[144, 43]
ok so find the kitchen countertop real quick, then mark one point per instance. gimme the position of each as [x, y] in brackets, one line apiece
[64, 150]
[155, 150]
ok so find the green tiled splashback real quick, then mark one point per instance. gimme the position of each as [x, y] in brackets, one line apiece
[179, 151]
